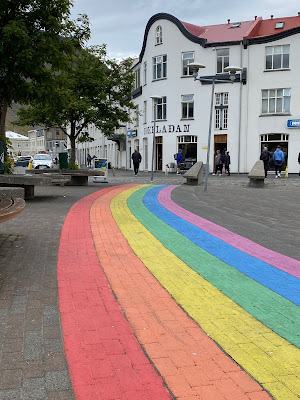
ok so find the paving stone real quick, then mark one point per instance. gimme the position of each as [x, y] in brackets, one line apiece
[10, 394]
[33, 345]
[53, 346]
[34, 389]
[57, 380]
[10, 378]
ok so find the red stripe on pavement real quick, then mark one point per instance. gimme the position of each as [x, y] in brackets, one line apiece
[105, 360]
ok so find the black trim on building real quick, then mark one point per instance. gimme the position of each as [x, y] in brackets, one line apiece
[179, 25]
[271, 38]
[119, 139]
[137, 92]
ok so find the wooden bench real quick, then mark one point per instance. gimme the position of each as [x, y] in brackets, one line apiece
[257, 175]
[76, 177]
[195, 175]
[11, 203]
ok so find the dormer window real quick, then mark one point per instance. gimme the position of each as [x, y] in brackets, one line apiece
[158, 35]
[236, 25]
[279, 25]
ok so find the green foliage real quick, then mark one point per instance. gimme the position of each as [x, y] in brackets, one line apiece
[72, 165]
[7, 168]
[37, 38]
[91, 89]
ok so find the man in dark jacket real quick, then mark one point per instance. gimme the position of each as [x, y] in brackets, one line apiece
[136, 158]
[265, 157]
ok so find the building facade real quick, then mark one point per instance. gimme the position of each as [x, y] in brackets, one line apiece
[260, 107]
[50, 140]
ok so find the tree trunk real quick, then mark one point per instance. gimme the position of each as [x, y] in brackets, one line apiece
[72, 138]
[3, 113]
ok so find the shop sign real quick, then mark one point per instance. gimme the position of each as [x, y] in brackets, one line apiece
[131, 132]
[168, 129]
[293, 123]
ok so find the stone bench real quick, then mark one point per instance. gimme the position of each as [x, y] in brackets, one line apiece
[11, 202]
[195, 175]
[257, 175]
[28, 182]
[77, 177]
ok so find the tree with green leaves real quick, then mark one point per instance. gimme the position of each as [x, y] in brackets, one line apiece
[91, 89]
[36, 38]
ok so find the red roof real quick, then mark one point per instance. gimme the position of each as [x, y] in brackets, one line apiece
[268, 27]
[246, 29]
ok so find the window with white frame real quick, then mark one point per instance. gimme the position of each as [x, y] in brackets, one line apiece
[160, 108]
[137, 78]
[277, 57]
[145, 112]
[145, 73]
[187, 58]
[276, 101]
[160, 67]
[222, 60]
[158, 35]
[221, 111]
[187, 106]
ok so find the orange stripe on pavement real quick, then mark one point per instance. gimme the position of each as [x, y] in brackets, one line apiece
[192, 365]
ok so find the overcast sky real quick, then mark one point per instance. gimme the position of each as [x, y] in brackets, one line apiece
[120, 24]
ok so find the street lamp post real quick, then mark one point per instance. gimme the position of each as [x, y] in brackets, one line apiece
[232, 71]
[154, 98]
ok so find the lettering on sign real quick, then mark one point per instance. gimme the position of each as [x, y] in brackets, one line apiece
[293, 123]
[167, 129]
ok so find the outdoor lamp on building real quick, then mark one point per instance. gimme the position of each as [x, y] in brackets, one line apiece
[232, 70]
[154, 99]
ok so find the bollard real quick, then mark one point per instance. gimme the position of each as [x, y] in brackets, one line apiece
[30, 164]
[286, 172]
[166, 170]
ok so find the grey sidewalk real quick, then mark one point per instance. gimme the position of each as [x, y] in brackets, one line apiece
[32, 363]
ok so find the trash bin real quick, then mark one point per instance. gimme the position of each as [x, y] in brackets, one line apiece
[63, 160]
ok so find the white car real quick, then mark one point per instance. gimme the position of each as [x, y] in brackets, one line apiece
[42, 161]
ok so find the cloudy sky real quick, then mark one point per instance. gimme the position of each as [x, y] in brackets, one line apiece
[121, 23]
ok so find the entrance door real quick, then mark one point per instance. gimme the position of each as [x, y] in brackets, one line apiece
[158, 153]
[271, 141]
[220, 143]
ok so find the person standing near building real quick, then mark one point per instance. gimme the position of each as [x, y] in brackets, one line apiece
[299, 162]
[265, 157]
[89, 160]
[227, 162]
[218, 163]
[278, 158]
[179, 160]
[136, 158]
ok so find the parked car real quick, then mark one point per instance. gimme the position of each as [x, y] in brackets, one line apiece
[42, 161]
[22, 161]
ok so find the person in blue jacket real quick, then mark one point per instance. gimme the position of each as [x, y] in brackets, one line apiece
[179, 160]
[278, 158]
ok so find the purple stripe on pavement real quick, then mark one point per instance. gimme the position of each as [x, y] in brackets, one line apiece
[277, 260]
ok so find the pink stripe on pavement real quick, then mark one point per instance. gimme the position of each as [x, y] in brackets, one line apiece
[105, 360]
[277, 260]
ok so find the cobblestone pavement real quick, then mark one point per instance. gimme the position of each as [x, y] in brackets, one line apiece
[33, 362]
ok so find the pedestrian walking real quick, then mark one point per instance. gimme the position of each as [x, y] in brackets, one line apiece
[227, 162]
[278, 158]
[89, 160]
[179, 160]
[218, 163]
[265, 156]
[136, 158]
[299, 162]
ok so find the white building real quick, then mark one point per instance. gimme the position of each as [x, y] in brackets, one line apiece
[20, 144]
[261, 107]
[50, 140]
